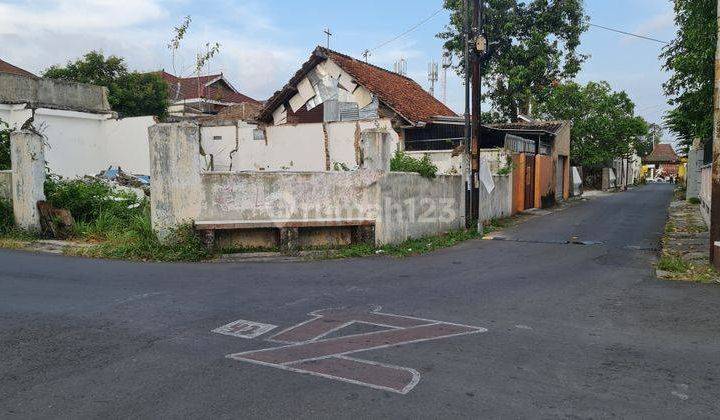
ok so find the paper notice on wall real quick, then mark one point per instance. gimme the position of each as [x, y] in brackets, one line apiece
[486, 176]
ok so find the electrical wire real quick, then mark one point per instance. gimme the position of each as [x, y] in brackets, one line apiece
[409, 30]
[647, 38]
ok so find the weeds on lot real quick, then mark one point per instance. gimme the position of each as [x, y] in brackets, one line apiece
[402, 162]
[118, 222]
[11, 236]
[694, 200]
[409, 247]
[673, 264]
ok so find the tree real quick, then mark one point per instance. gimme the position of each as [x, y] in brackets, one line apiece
[4, 146]
[532, 46]
[131, 94]
[605, 126]
[690, 58]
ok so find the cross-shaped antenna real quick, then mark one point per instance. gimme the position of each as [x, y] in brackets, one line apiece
[366, 54]
[329, 34]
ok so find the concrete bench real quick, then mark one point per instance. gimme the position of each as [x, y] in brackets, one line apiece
[363, 229]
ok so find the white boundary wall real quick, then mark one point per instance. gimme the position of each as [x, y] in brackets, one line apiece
[79, 143]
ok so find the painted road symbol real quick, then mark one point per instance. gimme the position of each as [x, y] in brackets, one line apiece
[307, 350]
[244, 329]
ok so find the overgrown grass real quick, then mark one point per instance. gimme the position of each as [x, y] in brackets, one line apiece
[11, 236]
[408, 248]
[673, 264]
[118, 222]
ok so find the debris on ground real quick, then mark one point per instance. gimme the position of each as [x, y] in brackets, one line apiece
[686, 246]
[55, 223]
[119, 177]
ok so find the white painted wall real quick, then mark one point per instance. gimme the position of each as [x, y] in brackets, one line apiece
[288, 147]
[81, 144]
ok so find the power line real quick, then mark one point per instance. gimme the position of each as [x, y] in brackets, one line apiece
[409, 30]
[629, 34]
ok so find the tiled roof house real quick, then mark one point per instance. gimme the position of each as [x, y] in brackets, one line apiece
[203, 95]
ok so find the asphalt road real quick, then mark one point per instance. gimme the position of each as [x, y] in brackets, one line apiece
[572, 330]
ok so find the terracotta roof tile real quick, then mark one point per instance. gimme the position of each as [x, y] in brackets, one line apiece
[6, 67]
[400, 93]
[662, 153]
[194, 87]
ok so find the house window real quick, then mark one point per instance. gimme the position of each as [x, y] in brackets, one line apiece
[259, 134]
[217, 138]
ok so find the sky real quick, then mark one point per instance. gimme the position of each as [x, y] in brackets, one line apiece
[263, 42]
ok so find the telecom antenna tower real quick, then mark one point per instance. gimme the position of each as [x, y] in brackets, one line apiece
[401, 66]
[432, 76]
[446, 64]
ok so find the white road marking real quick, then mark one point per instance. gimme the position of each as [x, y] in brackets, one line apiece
[244, 329]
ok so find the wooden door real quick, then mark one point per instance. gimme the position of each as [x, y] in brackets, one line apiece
[529, 181]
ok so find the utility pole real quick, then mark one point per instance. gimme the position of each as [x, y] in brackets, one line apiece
[477, 53]
[715, 207]
[467, 164]
[432, 76]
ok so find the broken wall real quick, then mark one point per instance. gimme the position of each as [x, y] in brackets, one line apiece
[291, 147]
[53, 94]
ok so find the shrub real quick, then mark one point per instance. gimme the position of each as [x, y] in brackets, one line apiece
[402, 162]
[7, 223]
[89, 199]
[694, 200]
[4, 146]
[120, 222]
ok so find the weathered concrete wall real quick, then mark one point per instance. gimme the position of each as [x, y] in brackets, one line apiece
[257, 196]
[126, 144]
[609, 179]
[414, 207]
[694, 170]
[706, 192]
[446, 163]
[6, 185]
[176, 190]
[28, 162]
[53, 94]
[497, 204]
[403, 205]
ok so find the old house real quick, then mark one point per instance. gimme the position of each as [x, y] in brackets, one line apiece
[663, 162]
[202, 95]
[541, 160]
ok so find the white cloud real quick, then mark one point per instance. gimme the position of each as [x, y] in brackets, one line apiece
[37, 34]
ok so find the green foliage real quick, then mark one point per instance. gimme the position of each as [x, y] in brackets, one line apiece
[402, 162]
[6, 217]
[532, 46]
[119, 222]
[4, 146]
[644, 145]
[694, 200]
[604, 122]
[690, 60]
[673, 264]
[409, 247]
[130, 93]
[88, 199]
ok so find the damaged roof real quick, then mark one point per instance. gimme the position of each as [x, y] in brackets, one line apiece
[202, 87]
[402, 94]
[246, 111]
[662, 153]
[6, 67]
[551, 127]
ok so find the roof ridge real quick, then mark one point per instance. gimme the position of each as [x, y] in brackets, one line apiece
[325, 50]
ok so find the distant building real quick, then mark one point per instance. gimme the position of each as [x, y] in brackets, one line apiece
[203, 95]
[662, 162]
[6, 67]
